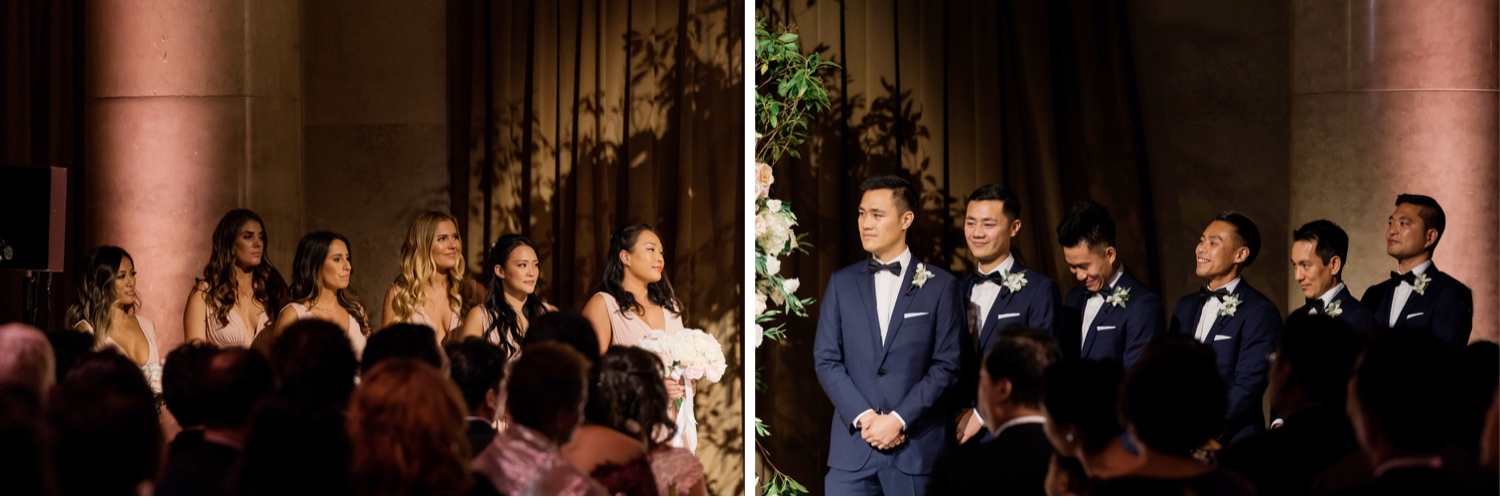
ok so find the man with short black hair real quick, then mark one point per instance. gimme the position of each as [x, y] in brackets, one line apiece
[403, 340]
[1238, 323]
[999, 293]
[1014, 461]
[1320, 250]
[1417, 294]
[477, 366]
[1111, 315]
[234, 381]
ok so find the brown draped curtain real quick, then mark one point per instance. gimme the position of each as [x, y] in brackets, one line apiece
[1038, 95]
[570, 118]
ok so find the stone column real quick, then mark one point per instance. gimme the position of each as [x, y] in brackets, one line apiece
[192, 108]
[1391, 97]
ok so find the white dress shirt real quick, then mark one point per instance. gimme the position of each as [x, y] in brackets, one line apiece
[984, 293]
[1091, 309]
[887, 290]
[1326, 299]
[1211, 313]
[1403, 293]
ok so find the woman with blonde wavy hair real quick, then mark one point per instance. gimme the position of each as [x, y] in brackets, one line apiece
[240, 292]
[406, 425]
[428, 290]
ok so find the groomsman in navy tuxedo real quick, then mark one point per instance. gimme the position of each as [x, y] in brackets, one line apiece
[1111, 315]
[1000, 294]
[887, 350]
[1239, 323]
[1418, 294]
[1319, 250]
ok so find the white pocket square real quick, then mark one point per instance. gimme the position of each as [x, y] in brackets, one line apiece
[1414, 314]
[1222, 337]
[1105, 328]
[913, 315]
[1008, 315]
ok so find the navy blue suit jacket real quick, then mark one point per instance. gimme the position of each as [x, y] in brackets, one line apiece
[1351, 311]
[1446, 307]
[1035, 305]
[1242, 345]
[1117, 333]
[909, 374]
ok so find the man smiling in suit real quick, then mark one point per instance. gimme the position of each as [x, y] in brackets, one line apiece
[1418, 295]
[886, 351]
[1000, 294]
[1111, 315]
[1240, 324]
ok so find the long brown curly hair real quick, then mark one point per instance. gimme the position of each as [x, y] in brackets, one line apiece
[406, 424]
[218, 274]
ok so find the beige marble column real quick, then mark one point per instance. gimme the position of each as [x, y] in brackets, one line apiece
[1399, 96]
[192, 108]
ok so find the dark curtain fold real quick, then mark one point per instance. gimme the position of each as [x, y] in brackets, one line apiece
[953, 94]
[571, 118]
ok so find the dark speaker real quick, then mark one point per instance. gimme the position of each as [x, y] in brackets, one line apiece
[33, 210]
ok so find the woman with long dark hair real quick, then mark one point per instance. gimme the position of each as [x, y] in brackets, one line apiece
[635, 297]
[320, 287]
[106, 306]
[512, 302]
[240, 292]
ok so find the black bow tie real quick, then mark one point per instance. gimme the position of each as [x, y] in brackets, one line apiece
[1206, 294]
[894, 267]
[976, 278]
[1315, 302]
[1410, 278]
[1103, 291]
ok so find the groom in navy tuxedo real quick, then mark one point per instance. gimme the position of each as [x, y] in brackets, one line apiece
[886, 352]
[1111, 315]
[1419, 295]
[1239, 323]
[1319, 251]
[1000, 294]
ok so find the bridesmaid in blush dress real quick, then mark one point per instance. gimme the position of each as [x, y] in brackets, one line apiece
[106, 306]
[240, 292]
[320, 288]
[429, 289]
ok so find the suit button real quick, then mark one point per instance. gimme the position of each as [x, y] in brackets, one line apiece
[880, 373]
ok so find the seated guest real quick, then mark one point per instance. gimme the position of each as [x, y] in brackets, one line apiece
[1309, 374]
[1172, 403]
[233, 382]
[67, 346]
[568, 328]
[182, 376]
[1489, 439]
[1397, 387]
[297, 442]
[26, 359]
[24, 469]
[1478, 371]
[403, 340]
[547, 390]
[1079, 399]
[1014, 460]
[477, 367]
[406, 424]
[107, 439]
[1065, 476]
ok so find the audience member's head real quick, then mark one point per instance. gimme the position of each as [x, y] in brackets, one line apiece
[1398, 386]
[1478, 371]
[567, 327]
[67, 346]
[296, 448]
[402, 340]
[631, 396]
[1173, 400]
[25, 461]
[235, 381]
[477, 367]
[182, 377]
[1489, 438]
[1066, 476]
[1313, 364]
[1010, 383]
[1079, 398]
[406, 424]
[26, 358]
[547, 389]
[108, 439]
[314, 362]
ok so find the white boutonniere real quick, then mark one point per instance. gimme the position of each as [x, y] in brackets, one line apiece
[1228, 305]
[1014, 281]
[920, 278]
[1420, 286]
[1119, 297]
[1333, 309]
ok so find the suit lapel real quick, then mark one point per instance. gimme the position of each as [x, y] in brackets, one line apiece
[1102, 317]
[1414, 301]
[1002, 300]
[903, 301]
[1222, 320]
[867, 292]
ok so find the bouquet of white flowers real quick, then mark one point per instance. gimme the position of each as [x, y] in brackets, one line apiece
[692, 355]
